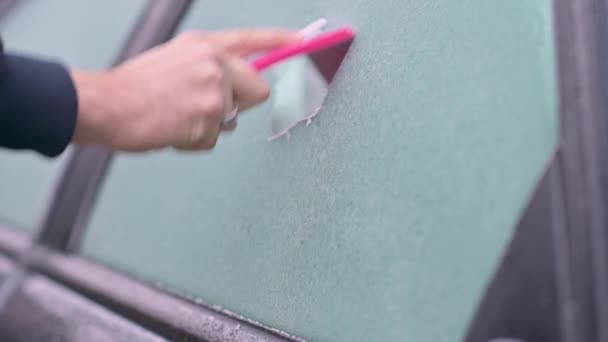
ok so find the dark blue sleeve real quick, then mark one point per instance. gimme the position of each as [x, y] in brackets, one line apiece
[38, 104]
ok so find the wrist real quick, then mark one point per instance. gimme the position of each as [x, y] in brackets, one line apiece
[95, 108]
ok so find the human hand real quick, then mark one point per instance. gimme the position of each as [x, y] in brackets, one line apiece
[176, 94]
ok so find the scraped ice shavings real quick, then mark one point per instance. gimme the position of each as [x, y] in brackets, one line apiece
[285, 132]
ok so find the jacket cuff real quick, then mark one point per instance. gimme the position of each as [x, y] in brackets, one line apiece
[40, 105]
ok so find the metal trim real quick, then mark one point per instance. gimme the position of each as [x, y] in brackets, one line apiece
[583, 168]
[155, 309]
[6, 264]
[598, 170]
[569, 326]
[6, 6]
[38, 309]
[56, 223]
[13, 242]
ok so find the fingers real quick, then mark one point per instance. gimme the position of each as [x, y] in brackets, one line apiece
[248, 87]
[243, 42]
[200, 135]
[225, 80]
[204, 136]
[217, 99]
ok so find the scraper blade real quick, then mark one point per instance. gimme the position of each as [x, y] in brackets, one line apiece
[328, 61]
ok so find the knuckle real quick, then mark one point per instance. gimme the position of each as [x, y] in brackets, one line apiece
[213, 105]
[200, 135]
[196, 44]
[206, 51]
[212, 73]
[258, 93]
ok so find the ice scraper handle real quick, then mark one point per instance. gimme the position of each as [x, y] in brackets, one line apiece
[320, 42]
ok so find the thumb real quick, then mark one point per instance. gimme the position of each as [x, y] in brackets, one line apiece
[248, 86]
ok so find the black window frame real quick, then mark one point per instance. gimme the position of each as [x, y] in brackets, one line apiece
[569, 206]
